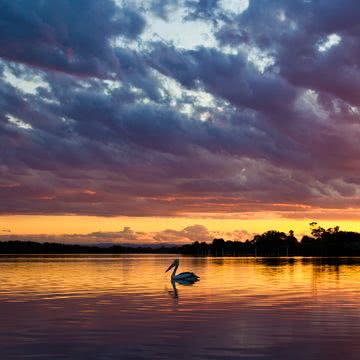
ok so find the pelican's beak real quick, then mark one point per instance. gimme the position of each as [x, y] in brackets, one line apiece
[172, 265]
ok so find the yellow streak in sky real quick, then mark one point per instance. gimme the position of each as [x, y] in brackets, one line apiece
[66, 224]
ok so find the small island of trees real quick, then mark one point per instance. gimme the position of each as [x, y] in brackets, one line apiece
[322, 242]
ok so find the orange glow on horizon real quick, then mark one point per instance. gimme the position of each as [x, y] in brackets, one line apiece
[76, 224]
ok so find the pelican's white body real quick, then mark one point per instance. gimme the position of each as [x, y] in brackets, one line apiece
[184, 276]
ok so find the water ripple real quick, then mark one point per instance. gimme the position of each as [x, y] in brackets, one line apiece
[116, 306]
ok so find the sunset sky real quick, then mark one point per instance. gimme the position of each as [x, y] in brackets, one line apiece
[169, 121]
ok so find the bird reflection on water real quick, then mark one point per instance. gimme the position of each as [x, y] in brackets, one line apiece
[174, 292]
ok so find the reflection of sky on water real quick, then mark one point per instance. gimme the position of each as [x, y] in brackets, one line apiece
[125, 307]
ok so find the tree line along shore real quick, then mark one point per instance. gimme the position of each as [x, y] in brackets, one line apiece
[272, 243]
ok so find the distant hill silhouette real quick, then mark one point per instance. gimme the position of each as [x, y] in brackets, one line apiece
[32, 247]
[322, 242]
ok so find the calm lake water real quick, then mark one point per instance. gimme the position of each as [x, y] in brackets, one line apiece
[124, 307]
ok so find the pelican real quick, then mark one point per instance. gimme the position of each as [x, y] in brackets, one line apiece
[184, 278]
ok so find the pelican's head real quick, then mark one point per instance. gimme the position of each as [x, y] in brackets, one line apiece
[174, 263]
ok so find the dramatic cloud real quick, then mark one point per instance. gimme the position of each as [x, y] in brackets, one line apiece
[103, 112]
[72, 37]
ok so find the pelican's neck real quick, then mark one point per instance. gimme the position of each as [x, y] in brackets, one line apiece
[174, 271]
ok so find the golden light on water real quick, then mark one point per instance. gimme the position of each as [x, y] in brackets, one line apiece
[88, 275]
[127, 305]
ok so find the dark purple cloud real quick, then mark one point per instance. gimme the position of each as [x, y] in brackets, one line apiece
[97, 119]
[67, 36]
